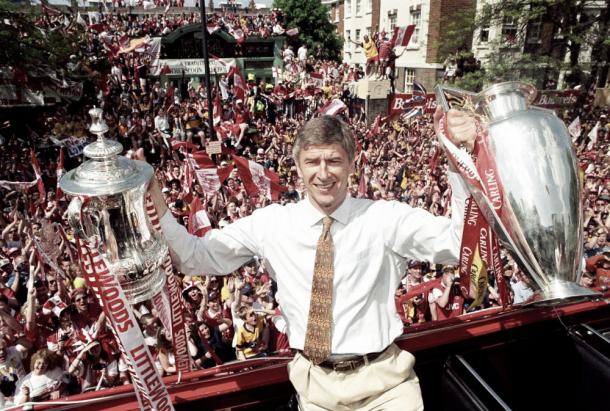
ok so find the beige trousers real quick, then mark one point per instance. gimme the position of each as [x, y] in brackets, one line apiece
[388, 383]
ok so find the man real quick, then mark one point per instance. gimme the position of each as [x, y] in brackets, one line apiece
[370, 52]
[337, 261]
[302, 55]
[446, 300]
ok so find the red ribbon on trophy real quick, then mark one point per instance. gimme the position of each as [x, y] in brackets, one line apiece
[480, 249]
[170, 305]
[148, 385]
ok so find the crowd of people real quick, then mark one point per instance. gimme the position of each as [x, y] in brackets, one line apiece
[55, 338]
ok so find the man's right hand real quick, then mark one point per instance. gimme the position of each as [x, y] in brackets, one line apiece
[153, 187]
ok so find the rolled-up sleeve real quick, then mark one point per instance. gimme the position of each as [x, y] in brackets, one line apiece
[219, 252]
[415, 233]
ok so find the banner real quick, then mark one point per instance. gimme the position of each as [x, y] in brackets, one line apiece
[149, 387]
[70, 90]
[479, 250]
[554, 99]
[551, 99]
[397, 103]
[74, 145]
[170, 304]
[192, 67]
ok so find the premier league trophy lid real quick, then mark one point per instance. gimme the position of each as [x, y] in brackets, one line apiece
[106, 172]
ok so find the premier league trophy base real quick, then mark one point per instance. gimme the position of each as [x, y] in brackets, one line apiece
[560, 292]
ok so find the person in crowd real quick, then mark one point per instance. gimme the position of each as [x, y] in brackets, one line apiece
[45, 381]
[252, 338]
[447, 300]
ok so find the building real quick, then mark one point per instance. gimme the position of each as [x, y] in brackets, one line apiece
[517, 38]
[421, 60]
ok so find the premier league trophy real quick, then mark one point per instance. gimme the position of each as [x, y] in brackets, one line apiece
[109, 207]
[541, 218]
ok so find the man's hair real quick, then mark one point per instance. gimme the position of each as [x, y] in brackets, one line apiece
[322, 131]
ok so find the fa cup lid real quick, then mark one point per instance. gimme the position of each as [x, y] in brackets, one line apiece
[106, 172]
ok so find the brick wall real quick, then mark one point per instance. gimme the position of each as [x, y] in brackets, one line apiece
[442, 11]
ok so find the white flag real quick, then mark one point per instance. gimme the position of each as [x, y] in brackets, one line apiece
[593, 136]
[80, 20]
[574, 128]
[333, 107]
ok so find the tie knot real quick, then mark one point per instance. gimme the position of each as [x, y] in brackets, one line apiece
[326, 223]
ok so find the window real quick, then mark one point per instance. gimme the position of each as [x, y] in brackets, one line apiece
[348, 34]
[336, 13]
[415, 18]
[369, 32]
[348, 8]
[369, 5]
[358, 6]
[509, 29]
[392, 20]
[534, 31]
[484, 34]
[409, 78]
[357, 36]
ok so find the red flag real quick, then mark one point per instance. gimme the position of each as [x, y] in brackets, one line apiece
[166, 69]
[59, 171]
[46, 9]
[213, 28]
[217, 108]
[256, 178]
[362, 185]
[39, 182]
[98, 27]
[210, 179]
[177, 145]
[318, 79]
[333, 107]
[187, 182]
[238, 82]
[402, 35]
[199, 221]
[239, 35]
[375, 128]
[202, 159]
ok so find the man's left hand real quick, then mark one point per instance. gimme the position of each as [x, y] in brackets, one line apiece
[461, 128]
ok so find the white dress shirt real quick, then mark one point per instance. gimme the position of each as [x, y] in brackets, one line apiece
[373, 241]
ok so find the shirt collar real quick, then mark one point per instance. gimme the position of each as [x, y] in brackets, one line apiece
[313, 216]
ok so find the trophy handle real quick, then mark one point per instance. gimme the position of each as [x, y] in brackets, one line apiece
[454, 98]
[75, 218]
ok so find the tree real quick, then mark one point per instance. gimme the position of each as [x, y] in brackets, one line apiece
[26, 45]
[536, 41]
[315, 28]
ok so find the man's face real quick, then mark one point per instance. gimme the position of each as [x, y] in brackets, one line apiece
[325, 170]
[80, 302]
[52, 282]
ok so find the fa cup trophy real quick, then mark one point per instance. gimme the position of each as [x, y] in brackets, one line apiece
[540, 221]
[109, 207]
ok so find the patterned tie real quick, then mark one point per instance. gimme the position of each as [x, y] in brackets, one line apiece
[318, 336]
